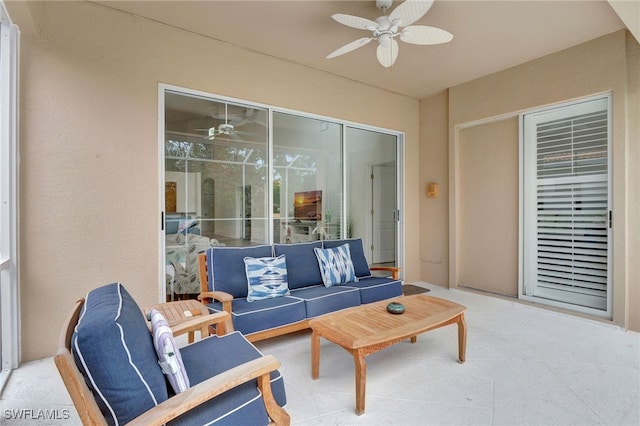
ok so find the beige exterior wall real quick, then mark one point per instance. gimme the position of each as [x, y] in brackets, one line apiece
[487, 186]
[609, 63]
[434, 168]
[90, 153]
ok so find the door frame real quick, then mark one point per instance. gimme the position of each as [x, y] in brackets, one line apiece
[608, 313]
[10, 352]
[163, 88]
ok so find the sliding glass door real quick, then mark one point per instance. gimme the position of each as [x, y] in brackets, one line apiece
[372, 193]
[307, 178]
[241, 174]
[216, 182]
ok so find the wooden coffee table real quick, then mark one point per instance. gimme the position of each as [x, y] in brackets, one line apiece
[366, 329]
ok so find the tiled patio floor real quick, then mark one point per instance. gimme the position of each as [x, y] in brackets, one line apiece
[525, 366]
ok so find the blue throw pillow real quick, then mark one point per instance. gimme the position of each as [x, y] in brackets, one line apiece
[358, 258]
[267, 277]
[168, 353]
[336, 266]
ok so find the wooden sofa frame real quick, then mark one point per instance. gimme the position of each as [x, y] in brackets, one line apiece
[207, 296]
[90, 414]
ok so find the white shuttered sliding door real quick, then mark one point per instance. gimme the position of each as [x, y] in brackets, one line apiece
[566, 205]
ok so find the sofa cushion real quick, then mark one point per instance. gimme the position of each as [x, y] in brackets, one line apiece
[360, 264]
[113, 349]
[373, 289]
[335, 265]
[241, 405]
[320, 300]
[226, 267]
[250, 317]
[266, 276]
[168, 352]
[302, 264]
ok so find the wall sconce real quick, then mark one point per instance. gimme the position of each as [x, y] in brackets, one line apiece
[432, 190]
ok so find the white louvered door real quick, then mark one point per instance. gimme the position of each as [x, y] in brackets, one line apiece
[566, 227]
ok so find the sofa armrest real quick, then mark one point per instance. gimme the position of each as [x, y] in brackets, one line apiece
[222, 319]
[202, 392]
[395, 270]
[220, 296]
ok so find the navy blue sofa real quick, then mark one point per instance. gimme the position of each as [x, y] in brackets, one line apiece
[108, 353]
[224, 287]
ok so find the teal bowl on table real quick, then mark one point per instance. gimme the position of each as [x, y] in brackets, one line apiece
[395, 308]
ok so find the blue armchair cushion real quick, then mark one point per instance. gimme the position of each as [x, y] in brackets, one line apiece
[114, 351]
[360, 264]
[302, 268]
[168, 352]
[226, 267]
[336, 266]
[267, 277]
[242, 405]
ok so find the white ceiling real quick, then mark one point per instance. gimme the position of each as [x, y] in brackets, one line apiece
[489, 36]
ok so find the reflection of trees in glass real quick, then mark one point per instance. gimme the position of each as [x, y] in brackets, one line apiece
[229, 166]
[276, 197]
[173, 148]
[295, 161]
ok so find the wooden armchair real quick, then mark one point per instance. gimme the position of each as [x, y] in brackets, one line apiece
[89, 404]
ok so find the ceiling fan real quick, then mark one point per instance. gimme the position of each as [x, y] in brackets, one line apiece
[385, 29]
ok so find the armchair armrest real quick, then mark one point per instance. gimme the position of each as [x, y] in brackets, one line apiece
[256, 369]
[395, 270]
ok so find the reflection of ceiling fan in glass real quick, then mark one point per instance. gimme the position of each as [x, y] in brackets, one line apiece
[224, 129]
[229, 128]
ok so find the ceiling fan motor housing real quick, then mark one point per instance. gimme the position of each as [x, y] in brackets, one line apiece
[383, 4]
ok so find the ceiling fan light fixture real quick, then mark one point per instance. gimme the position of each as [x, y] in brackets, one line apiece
[385, 28]
[385, 39]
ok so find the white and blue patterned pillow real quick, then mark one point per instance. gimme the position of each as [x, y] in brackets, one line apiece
[169, 356]
[267, 277]
[336, 266]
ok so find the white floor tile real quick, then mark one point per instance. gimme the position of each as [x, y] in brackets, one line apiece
[525, 366]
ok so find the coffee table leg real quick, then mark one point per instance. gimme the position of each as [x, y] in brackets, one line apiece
[315, 355]
[361, 381]
[462, 338]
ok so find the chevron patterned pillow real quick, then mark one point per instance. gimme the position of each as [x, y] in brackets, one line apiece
[336, 265]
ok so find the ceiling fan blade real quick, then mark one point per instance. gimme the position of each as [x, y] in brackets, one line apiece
[410, 11]
[424, 34]
[349, 47]
[387, 55]
[355, 21]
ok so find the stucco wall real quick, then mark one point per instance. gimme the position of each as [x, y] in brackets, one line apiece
[605, 64]
[90, 152]
[434, 168]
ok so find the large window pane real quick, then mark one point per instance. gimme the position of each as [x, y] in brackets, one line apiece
[307, 178]
[372, 212]
[231, 181]
[216, 182]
